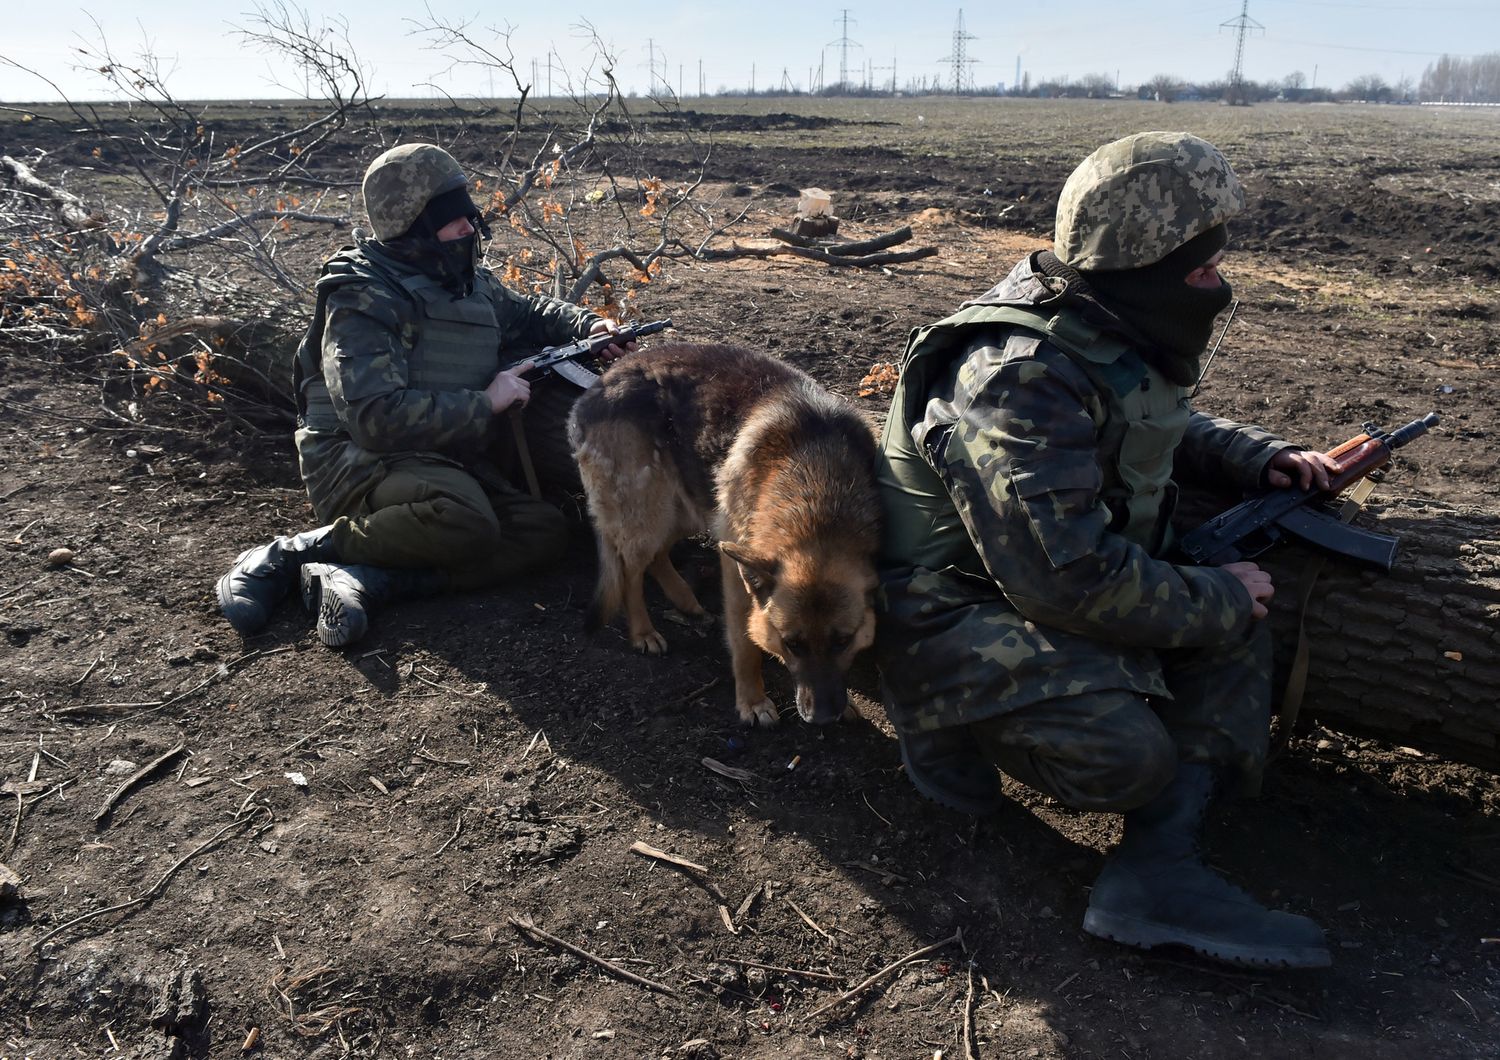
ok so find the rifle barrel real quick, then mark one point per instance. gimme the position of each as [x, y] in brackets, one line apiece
[1415, 429]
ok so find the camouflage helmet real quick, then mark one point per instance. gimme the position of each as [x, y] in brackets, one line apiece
[400, 182]
[1134, 201]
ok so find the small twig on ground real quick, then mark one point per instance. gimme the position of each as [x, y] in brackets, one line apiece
[445, 688]
[541, 735]
[1468, 1006]
[15, 829]
[697, 873]
[441, 761]
[744, 776]
[695, 693]
[876, 812]
[887, 877]
[220, 672]
[957, 936]
[150, 893]
[49, 754]
[316, 732]
[136, 777]
[969, 1053]
[739, 914]
[810, 922]
[76, 685]
[804, 972]
[525, 925]
[458, 827]
[8, 494]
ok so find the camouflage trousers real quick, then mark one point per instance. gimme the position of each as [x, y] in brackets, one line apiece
[435, 515]
[1097, 726]
[1113, 751]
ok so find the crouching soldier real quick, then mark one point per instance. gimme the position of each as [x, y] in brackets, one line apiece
[401, 384]
[1032, 616]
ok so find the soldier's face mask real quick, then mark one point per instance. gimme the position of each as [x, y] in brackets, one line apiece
[459, 257]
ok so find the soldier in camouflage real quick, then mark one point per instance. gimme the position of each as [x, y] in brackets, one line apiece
[401, 383]
[1032, 616]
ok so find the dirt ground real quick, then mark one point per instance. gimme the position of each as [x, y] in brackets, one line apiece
[335, 856]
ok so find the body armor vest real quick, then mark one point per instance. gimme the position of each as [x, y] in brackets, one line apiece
[1140, 417]
[450, 344]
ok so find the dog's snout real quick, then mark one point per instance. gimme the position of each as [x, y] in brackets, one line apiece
[823, 699]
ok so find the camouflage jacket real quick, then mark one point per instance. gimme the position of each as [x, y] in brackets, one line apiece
[1008, 577]
[393, 364]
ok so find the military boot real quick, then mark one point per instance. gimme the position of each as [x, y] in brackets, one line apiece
[342, 595]
[1155, 890]
[262, 576]
[946, 766]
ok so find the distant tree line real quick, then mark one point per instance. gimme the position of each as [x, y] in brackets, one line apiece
[1451, 80]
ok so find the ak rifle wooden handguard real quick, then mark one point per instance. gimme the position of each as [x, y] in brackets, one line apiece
[1256, 524]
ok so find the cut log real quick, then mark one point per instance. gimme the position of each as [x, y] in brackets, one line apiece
[863, 246]
[858, 261]
[1412, 656]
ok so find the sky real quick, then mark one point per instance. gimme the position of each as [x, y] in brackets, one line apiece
[775, 42]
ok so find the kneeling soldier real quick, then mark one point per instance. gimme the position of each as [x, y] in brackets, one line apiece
[1032, 618]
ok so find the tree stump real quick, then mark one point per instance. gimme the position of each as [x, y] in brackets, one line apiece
[1412, 656]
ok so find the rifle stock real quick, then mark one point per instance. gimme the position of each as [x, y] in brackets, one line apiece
[1254, 525]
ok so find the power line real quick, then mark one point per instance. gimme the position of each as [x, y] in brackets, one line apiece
[1378, 51]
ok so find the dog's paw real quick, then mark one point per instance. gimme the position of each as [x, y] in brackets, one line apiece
[650, 643]
[763, 713]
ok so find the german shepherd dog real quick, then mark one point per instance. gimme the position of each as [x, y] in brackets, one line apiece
[687, 439]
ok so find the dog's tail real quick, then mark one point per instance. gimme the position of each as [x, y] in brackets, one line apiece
[609, 593]
[597, 473]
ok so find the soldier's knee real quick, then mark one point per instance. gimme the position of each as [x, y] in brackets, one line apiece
[465, 529]
[1127, 758]
[534, 529]
[1150, 770]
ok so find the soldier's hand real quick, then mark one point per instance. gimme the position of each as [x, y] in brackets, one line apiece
[1303, 466]
[1257, 583]
[613, 350]
[509, 388]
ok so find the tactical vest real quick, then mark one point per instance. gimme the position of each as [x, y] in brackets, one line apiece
[1140, 418]
[450, 344]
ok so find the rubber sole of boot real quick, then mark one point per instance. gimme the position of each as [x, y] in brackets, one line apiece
[338, 626]
[1146, 934]
[972, 807]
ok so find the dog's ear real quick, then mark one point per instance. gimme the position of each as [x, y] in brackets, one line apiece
[759, 574]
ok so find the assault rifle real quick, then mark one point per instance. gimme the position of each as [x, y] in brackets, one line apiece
[562, 359]
[1251, 527]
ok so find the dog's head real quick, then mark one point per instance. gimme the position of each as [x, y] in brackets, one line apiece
[815, 613]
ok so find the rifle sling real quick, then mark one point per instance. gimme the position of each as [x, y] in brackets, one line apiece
[523, 451]
[1296, 679]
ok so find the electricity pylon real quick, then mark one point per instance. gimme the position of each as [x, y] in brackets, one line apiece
[1242, 25]
[959, 60]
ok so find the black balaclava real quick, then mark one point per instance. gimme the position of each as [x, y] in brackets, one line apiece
[450, 261]
[1176, 320]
